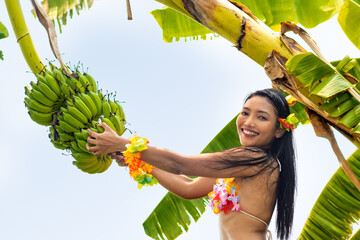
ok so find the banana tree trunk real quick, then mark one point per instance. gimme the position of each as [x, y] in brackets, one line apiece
[227, 19]
[23, 36]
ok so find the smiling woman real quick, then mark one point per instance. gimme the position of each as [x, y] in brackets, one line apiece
[264, 167]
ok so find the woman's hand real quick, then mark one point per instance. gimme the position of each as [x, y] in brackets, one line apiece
[107, 142]
[119, 158]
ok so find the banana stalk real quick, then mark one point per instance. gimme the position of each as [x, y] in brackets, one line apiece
[23, 36]
[228, 20]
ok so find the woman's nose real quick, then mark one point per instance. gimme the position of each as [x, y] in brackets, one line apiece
[249, 121]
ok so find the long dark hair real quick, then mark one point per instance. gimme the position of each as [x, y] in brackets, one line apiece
[280, 148]
[283, 149]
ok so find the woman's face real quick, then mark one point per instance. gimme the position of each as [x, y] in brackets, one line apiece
[256, 123]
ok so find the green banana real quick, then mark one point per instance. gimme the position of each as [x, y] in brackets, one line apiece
[65, 89]
[113, 106]
[58, 75]
[82, 107]
[115, 119]
[41, 98]
[44, 119]
[79, 135]
[75, 148]
[65, 137]
[84, 134]
[46, 90]
[53, 84]
[73, 121]
[58, 145]
[92, 86]
[87, 167]
[67, 127]
[77, 114]
[82, 145]
[84, 157]
[120, 111]
[89, 103]
[40, 78]
[106, 109]
[96, 99]
[108, 122]
[108, 161]
[83, 80]
[34, 86]
[35, 105]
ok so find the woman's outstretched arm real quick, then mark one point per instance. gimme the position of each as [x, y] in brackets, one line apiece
[180, 185]
[212, 165]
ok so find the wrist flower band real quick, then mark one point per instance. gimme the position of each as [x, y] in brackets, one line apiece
[138, 170]
[290, 123]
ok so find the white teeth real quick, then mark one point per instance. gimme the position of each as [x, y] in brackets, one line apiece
[250, 133]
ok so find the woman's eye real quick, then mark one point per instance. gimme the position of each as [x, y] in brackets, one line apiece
[244, 113]
[262, 118]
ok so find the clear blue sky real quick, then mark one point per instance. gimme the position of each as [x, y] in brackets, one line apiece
[178, 95]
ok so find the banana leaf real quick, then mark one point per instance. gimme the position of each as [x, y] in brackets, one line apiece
[172, 215]
[169, 19]
[337, 207]
[322, 79]
[59, 10]
[308, 13]
[349, 20]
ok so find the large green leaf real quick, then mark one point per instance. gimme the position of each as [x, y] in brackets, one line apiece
[349, 20]
[172, 214]
[337, 207]
[176, 25]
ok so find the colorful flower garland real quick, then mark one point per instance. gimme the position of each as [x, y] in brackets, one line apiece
[290, 123]
[138, 170]
[224, 196]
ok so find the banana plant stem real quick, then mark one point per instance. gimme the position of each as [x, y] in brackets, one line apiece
[23, 36]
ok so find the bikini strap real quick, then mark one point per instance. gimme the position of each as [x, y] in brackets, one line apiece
[268, 232]
[279, 164]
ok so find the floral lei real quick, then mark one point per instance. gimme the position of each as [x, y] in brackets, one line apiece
[138, 170]
[224, 196]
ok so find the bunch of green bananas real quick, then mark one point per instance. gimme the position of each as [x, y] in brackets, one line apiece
[70, 104]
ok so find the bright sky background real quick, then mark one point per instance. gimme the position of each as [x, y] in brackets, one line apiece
[178, 95]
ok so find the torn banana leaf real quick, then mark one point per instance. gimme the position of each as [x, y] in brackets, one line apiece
[349, 20]
[308, 68]
[172, 215]
[337, 207]
[176, 25]
[312, 72]
[331, 85]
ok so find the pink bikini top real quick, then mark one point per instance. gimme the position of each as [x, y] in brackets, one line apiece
[224, 197]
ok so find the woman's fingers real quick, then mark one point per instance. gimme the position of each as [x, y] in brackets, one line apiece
[105, 126]
[91, 140]
[92, 133]
[95, 150]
